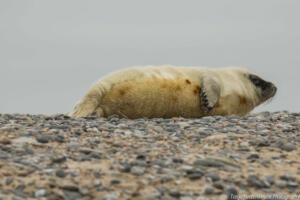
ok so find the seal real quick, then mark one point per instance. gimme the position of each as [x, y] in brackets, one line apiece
[173, 91]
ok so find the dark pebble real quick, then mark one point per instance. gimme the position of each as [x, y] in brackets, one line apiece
[8, 181]
[194, 174]
[253, 155]
[59, 139]
[115, 182]
[125, 168]
[60, 173]
[292, 184]
[213, 176]
[268, 181]
[166, 179]
[208, 190]
[218, 185]
[21, 187]
[208, 163]
[71, 195]
[141, 157]
[288, 147]
[287, 178]
[254, 181]
[43, 139]
[177, 160]
[231, 193]
[58, 159]
[175, 194]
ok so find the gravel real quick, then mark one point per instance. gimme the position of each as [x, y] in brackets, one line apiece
[56, 157]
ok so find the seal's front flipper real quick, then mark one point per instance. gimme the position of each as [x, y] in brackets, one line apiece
[210, 93]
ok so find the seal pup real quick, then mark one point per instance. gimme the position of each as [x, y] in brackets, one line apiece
[173, 91]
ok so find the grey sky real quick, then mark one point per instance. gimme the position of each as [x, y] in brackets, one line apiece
[52, 51]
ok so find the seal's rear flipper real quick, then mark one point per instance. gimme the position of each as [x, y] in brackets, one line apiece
[88, 106]
[210, 93]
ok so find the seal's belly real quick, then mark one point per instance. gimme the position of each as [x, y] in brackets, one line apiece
[154, 98]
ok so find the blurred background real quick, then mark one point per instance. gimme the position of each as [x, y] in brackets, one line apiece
[52, 51]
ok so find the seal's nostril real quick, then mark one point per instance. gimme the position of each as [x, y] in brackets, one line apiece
[275, 88]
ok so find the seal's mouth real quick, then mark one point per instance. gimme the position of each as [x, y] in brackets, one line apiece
[274, 90]
[268, 92]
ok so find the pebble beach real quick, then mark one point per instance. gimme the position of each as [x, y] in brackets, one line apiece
[59, 158]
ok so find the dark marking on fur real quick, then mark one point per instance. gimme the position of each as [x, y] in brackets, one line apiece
[178, 87]
[243, 100]
[122, 92]
[187, 81]
[174, 98]
[165, 83]
[197, 89]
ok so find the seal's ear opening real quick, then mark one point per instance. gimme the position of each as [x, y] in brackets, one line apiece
[210, 93]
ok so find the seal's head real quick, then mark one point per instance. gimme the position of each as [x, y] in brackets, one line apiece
[264, 89]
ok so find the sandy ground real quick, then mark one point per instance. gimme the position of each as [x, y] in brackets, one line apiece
[55, 157]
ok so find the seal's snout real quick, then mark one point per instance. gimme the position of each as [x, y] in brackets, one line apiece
[274, 89]
[269, 91]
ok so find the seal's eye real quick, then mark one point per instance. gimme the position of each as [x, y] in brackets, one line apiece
[258, 82]
[255, 80]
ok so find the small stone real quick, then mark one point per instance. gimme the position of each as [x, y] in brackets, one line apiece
[186, 198]
[153, 196]
[141, 157]
[115, 182]
[231, 193]
[254, 181]
[96, 155]
[177, 160]
[208, 190]
[40, 193]
[125, 168]
[85, 150]
[58, 159]
[137, 171]
[253, 155]
[8, 181]
[268, 181]
[287, 178]
[292, 184]
[280, 183]
[166, 179]
[208, 163]
[218, 185]
[5, 141]
[288, 147]
[111, 196]
[143, 182]
[59, 138]
[231, 169]
[213, 176]
[21, 187]
[60, 173]
[83, 190]
[194, 174]
[43, 139]
[175, 194]
[70, 194]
